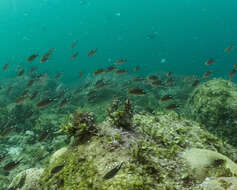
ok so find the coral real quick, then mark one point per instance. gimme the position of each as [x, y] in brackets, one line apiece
[121, 117]
[26, 180]
[80, 125]
[214, 104]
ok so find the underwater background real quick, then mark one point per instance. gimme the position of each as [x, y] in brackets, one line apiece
[62, 60]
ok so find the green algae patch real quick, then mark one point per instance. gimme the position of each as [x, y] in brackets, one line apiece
[214, 104]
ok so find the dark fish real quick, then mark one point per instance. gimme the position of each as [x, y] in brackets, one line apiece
[32, 57]
[232, 73]
[2, 157]
[152, 77]
[74, 44]
[235, 65]
[113, 172]
[24, 92]
[5, 66]
[57, 169]
[207, 74]
[138, 79]
[210, 61]
[156, 83]
[9, 90]
[80, 74]
[30, 83]
[63, 102]
[11, 165]
[32, 69]
[195, 83]
[58, 75]
[5, 132]
[42, 137]
[92, 52]
[136, 68]
[121, 71]
[137, 91]
[120, 61]
[228, 49]
[61, 94]
[46, 56]
[44, 102]
[166, 97]
[21, 72]
[171, 106]
[21, 99]
[74, 56]
[99, 71]
[100, 84]
[110, 68]
[168, 74]
[35, 93]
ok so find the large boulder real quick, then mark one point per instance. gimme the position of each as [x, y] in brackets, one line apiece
[214, 103]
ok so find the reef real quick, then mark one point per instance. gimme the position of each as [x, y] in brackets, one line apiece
[213, 104]
[156, 154]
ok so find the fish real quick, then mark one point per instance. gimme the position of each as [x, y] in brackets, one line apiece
[58, 75]
[92, 52]
[121, 71]
[138, 79]
[210, 61]
[33, 96]
[232, 73]
[46, 56]
[171, 106]
[30, 83]
[168, 74]
[99, 71]
[207, 74]
[44, 102]
[74, 44]
[57, 169]
[74, 56]
[100, 84]
[5, 66]
[61, 94]
[110, 68]
[235, 65]
[21, 72]
[195, 83]
[9, 90]
[32, 57]
[136, 68]
[228, 49]
[166, 97]
[113, 172]
[21, 99]
[2, 157]
[5, 132]
[42, 137]
[137, 91]
[80, 74]
[152, 77]
[32, 69]
[120, 61]
[63, 102]
[156, 83]
[12, 165]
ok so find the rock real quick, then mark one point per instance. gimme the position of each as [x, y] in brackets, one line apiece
[26, 180]
[221, 183]
[214, 104]
[57, 154]
[206, 163]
